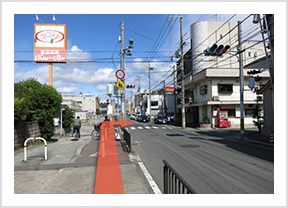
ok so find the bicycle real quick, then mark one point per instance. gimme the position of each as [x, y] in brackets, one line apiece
[95, 134]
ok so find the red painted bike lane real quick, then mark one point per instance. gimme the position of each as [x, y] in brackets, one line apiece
[108, 174]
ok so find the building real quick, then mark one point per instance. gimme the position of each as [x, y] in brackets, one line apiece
[213, 81]
[83, 106]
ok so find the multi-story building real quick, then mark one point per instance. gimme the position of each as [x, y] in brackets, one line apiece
[84, 106]
[213, 81]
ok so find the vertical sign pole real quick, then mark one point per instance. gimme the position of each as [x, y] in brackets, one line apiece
[122, 52]
[50, 74]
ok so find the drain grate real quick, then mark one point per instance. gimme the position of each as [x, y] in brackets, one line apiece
[190, 146]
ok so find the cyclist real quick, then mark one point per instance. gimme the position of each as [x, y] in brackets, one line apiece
[77, 126]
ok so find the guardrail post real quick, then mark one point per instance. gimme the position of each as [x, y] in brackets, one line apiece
[173, 180]
[34, 138]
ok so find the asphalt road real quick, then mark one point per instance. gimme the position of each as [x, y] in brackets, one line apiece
[209, 161]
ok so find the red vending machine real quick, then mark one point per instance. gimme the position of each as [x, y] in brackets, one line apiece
[223, 119]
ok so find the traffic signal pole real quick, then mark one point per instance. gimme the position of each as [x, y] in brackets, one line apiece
[241, 80]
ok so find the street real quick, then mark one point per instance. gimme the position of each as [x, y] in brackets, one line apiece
[207, 160]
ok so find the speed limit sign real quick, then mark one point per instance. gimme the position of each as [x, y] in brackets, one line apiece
[120, 74]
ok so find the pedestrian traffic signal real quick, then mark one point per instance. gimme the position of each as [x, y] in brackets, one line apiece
[216, 50]
[107, 101]
[255, 71]
[190, 100]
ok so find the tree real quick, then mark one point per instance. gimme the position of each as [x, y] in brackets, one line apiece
[42, 102]
[67, 117]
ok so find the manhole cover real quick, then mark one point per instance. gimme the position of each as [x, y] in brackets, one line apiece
[189, 146]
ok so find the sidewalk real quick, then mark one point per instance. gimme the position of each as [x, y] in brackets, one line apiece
[65, 171]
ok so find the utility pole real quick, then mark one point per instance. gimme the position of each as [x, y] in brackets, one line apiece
[175, 102]
[122, 52]
[182, 73]
[139, 86]
[165, 106]
[241, 79]
[150, 68]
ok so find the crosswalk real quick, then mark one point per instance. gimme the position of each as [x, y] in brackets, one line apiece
[147, 127]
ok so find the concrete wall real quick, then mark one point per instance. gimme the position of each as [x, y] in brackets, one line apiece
[23, 131]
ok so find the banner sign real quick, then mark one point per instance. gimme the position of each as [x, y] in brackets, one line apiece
[50, 43]
[169, 90]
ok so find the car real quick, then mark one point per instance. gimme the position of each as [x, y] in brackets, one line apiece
[171, 118]
[160, 119]
[132, 116]
[143, 118]
[137, 117]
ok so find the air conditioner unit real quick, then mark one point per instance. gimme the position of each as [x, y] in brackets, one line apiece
[215, 98]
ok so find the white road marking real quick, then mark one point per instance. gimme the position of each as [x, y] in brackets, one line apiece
[133, 128]
[139, 127]
[163, 127]
[147, 127]
[94, 155]
[149, 179]
[155, 127]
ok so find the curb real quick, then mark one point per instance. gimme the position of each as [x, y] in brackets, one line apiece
[78, 152]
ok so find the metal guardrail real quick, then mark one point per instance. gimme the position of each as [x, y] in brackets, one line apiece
[173, 181]
[34, 138]
[127, 140]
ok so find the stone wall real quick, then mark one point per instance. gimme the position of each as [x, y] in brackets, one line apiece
[23, 131]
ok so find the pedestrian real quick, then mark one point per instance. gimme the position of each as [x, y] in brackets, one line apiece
[77, 126]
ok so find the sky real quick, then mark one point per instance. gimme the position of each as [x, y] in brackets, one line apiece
[93, 39]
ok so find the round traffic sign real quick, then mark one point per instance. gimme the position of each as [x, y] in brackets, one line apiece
[120, 74]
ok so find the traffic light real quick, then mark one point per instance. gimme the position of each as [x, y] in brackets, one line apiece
[216, 50]
[255, 71]
[129, 51]
[210, 50]
[130, 86]
[224, 50]
[190, 100]
[107, 101]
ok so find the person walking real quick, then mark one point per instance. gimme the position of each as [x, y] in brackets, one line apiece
[77, 126]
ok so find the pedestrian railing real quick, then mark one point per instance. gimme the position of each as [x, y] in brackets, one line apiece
[173, 181]
[127, 140]
[34, 138]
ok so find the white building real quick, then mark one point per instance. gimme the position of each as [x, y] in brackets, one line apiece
[213, 81]
[83, 106]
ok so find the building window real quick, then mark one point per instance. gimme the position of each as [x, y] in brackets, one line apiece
[249, 54]
[249, 112]
[203, 90]
[225, 88]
